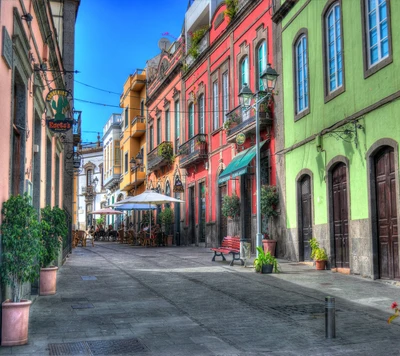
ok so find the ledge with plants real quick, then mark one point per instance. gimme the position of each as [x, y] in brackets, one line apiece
[166, 152]
[196, 38]
[232, 7]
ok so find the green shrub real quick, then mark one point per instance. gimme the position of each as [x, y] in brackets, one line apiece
[21, 232]
[230, 206]
[54, 230]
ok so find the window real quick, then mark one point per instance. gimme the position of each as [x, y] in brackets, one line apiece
[215, 106]
[244, 71]
[261, 63]
[301, 74]
[127, 117]
[225, 94]
[151, 138]
[89, 177]
[167, 126]
[126, 161]
[200, 103]
[177, 126]
[191, 121]
[334, 48]
[377, 31]
[158, 131]
[142, 108]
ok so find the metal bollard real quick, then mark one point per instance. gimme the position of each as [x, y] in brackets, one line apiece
[330, 327]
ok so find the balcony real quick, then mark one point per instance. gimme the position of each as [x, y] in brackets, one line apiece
[76, 127]
[200, 48]
[112, 181]
[161, 156]
[245, 122]
[193, 151]
[88, 191]
[138, 126]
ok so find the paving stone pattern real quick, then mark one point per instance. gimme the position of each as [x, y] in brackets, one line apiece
[176, 301]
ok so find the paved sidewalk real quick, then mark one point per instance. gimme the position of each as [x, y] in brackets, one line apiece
[115, 299]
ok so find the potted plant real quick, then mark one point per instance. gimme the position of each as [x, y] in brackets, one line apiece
[54, 229]
[166, 151]
[269, 200]
[231, 208]
[21, 232]
[167, 218]
[265, 262]
[318, 254]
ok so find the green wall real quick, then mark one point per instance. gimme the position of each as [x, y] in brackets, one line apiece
[359, 94]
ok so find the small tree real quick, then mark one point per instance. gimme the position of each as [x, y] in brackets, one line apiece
[166, 218]
[101, 220]
[54, 229]
[231, 206]
[21, 232]
[269, 200]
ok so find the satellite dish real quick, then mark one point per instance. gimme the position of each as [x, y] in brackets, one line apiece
[164, 43]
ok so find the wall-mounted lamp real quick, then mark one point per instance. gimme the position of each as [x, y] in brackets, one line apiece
[27, 17]
[206, 165]
[95, 181]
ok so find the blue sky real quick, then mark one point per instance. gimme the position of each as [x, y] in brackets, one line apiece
[113, 39]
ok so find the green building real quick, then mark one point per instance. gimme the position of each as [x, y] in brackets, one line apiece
[339, 131]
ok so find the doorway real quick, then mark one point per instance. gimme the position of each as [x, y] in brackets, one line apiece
[386, 214]
[340, 216]
[192, 235]
[305, 218]
[223, 221]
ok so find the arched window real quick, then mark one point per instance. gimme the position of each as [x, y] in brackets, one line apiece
[200, 103]
[261, 63]
[301, 74]
[89, 176]
[333, 49]
[244, 71]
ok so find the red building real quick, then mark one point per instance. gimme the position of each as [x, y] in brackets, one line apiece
[223, 53]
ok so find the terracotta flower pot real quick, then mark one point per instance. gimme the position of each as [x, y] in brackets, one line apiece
[269, 245]
[48, 281]
[320, 265]
[15, 322]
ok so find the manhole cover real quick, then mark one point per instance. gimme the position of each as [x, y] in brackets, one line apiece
[89, 278]
[71, 348]
[73, 300]
[82, 306]
[99, 347]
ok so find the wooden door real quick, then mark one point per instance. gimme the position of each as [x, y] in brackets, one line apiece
[386, 206]
[192, 231]
[305, 218]
[340, 216]
[247, 201]
[223, 221]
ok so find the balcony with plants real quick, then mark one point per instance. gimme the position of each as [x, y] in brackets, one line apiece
[239, 121]
[193, 151]
[161, 156]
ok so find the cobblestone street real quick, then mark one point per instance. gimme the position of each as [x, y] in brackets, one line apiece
[116, 299]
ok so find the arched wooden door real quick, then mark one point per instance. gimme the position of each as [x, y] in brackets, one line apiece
[340, 216]
[305, 218]
[386, 207]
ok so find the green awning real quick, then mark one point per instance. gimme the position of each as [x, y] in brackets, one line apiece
[239, 164]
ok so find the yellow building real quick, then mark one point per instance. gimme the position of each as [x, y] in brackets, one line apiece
[133, 134]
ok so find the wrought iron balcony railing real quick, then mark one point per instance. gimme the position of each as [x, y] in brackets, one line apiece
[193, 150]
[239, 121]
[160, 156]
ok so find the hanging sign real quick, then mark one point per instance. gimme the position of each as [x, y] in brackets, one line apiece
[240, 138]
[178, 186]
[59, 99]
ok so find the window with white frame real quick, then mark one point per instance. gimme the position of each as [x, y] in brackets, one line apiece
[200, 105]
[215, 106]
[261, 63]
[225, 94]
[333, 34]
[301, 74]
[244, 71]
[377, 30]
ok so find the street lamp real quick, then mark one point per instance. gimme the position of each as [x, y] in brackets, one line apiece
[268, 77]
